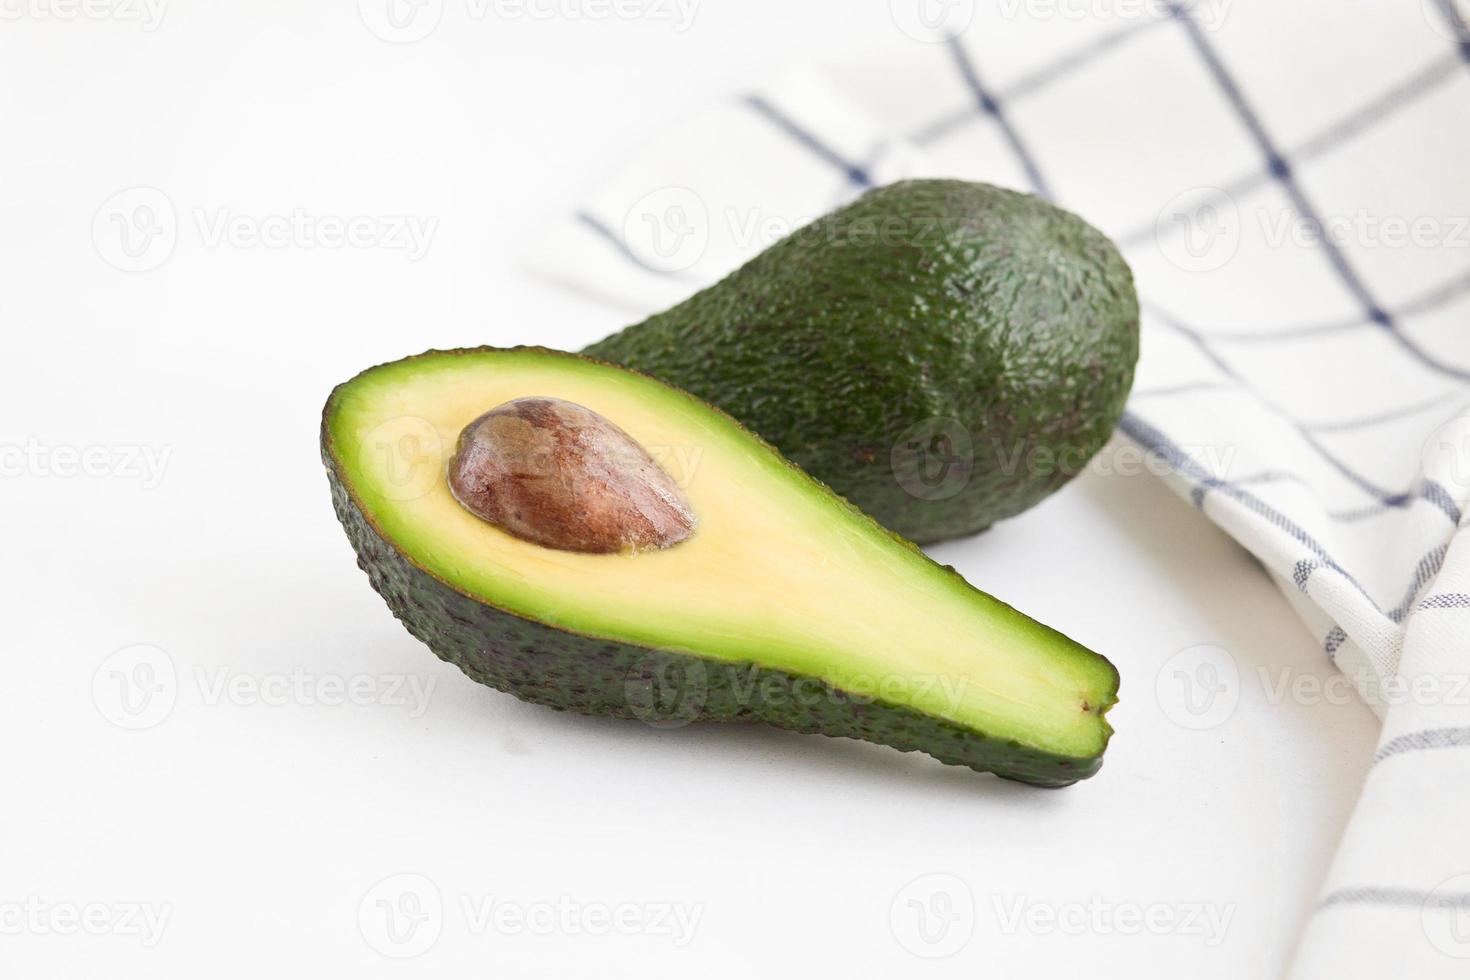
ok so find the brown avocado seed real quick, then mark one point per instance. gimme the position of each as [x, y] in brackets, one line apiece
[560, 475]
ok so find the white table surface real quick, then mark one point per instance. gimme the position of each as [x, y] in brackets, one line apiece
[262, 829]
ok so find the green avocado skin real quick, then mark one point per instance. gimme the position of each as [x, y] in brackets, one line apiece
[571, 671]
[944, 354]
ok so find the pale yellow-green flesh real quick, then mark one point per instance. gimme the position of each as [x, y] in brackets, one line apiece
[779, 570]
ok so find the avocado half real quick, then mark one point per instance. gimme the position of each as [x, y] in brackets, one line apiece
[943, 353]
[787, 605]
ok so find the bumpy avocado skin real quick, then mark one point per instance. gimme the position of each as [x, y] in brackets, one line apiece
[944, 354]
[570, 671]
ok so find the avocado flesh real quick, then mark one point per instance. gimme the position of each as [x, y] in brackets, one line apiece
[991, 320]
[797, 609]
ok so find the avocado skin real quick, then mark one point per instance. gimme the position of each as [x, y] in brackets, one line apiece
[921, 305]
[571, 671]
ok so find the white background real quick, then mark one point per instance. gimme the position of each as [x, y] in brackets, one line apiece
[262, 829]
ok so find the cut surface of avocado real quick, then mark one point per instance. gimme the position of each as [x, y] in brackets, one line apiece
[785, 605]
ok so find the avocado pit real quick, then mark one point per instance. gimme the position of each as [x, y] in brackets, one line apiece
[562, 476]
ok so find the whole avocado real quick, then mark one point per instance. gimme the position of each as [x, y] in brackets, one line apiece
[943, 353]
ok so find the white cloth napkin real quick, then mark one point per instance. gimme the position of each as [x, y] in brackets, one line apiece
[1288, 182]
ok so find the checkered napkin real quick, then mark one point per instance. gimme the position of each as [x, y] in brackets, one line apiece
[1289, 183]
